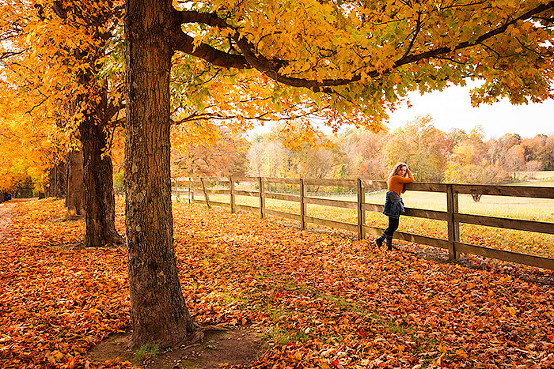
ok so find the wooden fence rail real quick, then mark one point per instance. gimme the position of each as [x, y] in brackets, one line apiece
[295, 191]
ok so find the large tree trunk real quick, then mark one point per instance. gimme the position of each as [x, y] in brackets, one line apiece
[75, 186]
[158, 310]
[98, 178]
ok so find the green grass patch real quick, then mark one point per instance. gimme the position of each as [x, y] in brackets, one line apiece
[146, 353]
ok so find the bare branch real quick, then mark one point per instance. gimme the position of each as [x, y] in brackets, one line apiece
[9, 54]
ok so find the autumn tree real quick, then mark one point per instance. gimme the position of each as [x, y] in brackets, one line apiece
[364, 154]
[56, 50]
[223, 156]
[548, 153]
[468, 162]
[358, 55]
[255, 155]
[26, 149]
[475, 174]
[294, 150]
[539, 149]
[421, 145]
[514, 160]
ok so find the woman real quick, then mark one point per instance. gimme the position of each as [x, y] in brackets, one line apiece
[394, 206]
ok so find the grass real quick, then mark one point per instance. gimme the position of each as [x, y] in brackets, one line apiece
[543, 175]
[146, 353]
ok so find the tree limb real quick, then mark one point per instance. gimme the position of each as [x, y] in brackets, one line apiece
[251, 59]
[185, 43]
[479, 40]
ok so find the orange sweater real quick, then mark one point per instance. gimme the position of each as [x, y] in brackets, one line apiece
[396, 183]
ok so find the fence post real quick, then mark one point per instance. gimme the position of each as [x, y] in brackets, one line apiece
[190, 190]
[176, 190]
[302, 205]
[361, 212]
[262, 198]
[173, 191]
[453, 227]
[206, 197]
[232, 193]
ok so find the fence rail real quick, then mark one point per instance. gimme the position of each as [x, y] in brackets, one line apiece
[263, 186]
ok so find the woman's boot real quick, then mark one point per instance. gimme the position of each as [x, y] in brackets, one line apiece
[389, 244]
[379, 241]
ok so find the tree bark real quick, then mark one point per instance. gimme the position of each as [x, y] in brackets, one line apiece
[57, 181]
[158, 310]
[98, 178]
[75, 186]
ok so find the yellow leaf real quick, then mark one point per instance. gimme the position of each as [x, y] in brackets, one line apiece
[58, 355]
[461, 353]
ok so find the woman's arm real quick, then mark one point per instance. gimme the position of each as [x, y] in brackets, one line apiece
[408, 179]
[410, 174]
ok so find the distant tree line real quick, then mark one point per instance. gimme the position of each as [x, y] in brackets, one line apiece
[291, 150]
[433, 155]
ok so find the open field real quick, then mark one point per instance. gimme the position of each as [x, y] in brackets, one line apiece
[318, 300]
[540, 176]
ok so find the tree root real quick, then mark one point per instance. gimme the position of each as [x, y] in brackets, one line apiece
[197, 337]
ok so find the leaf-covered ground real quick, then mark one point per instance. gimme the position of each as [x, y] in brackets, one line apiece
[324, 301]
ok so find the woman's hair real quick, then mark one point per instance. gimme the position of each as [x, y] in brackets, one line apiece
[396, 169]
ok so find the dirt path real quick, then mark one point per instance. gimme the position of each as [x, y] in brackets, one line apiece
[6, 213]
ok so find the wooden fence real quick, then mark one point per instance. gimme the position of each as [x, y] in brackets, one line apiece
[262, 190]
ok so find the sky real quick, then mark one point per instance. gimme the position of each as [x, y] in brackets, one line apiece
[451, 108]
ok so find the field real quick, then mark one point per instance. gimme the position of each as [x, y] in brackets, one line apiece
[316, 300]
[546, 177]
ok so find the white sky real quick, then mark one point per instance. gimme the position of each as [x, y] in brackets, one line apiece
[451, 108]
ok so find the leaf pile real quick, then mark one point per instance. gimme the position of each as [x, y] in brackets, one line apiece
[323, 301]
[335, 302]
[56, 303]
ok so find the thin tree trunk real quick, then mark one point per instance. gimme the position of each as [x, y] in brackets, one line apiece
[57, 181]
[158, 310]
[74, 200]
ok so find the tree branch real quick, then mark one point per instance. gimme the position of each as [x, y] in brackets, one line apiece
[185, 43]
[466, 44]
[251, 59]
[9, 54]
[416, 32]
